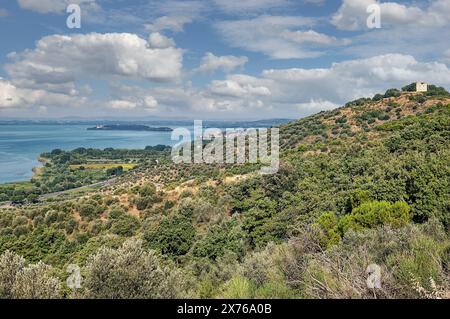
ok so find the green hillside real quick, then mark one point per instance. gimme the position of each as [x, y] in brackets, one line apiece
[368, 183]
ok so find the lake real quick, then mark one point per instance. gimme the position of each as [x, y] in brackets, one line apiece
[20, 145]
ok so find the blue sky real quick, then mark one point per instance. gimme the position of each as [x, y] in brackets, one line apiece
[213, 59]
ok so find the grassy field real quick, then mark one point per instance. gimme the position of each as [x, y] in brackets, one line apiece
[126, 167]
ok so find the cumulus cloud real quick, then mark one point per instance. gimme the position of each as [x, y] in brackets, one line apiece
[240, 86]
[158, 41]
[54, 6]
[352, 15]
[122, 104]
[292, 92]
[49, 74]
[58, 60]
[296, 91]
[12, 96]
[315, 105]
[227, 63]
[149, 102]
[172, 23]
[355, 78]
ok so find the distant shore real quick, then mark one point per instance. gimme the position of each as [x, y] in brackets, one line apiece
[129, 127]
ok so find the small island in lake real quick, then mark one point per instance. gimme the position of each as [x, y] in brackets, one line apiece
[129, 127]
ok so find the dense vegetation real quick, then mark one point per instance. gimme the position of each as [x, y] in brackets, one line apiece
[364, 184]
[73, 169]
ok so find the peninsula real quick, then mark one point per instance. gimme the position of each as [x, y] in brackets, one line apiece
[129, 127]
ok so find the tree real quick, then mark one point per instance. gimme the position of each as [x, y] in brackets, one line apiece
[34, 282]
[28, 282]
[114, 171]
[130, 272]
[227, 236]
[173, 237]
[125, 225]
[374, 213]
[392, 93]
[409, 88]
[10, 265]
[90, 209]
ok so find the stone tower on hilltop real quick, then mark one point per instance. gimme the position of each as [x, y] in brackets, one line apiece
[421, 87]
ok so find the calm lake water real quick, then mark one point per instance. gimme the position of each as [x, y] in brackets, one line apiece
[20, 145]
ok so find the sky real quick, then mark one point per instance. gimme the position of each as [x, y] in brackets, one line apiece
[214, 59]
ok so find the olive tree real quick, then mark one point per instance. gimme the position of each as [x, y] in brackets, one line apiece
[17, 280]
[130, 272]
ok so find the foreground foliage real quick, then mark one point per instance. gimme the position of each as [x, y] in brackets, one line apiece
[367, 184]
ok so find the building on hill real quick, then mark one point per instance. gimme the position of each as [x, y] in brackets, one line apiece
[421, 87]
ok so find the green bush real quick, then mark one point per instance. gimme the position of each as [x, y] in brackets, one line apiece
[125, 225]
[374, 214]
[227, 236]
[173, 236]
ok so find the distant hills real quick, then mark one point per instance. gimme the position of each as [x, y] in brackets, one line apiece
[152, 123]
[129, 127]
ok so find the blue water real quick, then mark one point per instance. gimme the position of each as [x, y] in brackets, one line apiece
[20, 145]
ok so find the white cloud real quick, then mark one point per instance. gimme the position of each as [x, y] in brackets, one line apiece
[274, 36]
[49, 74]
[172, 23]
[352, 15]
[240, 86]
[316, 105]
[10, 96]
[150, 102]
[291, 92]
[352, 79]
[15, 97]
[122, 105]
[58, 61]
[227, 63]
[313, 37]
[158, 41]
[54, 6]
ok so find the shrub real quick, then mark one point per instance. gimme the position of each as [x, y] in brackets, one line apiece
[392, 93]
[34, 282]
[236, 288]
[327, 226]
[10, 265]
[130, 272]
[373, 214]
[26, 282]
[90, 209]
[222, 238]
[173, 236]
[125, 225]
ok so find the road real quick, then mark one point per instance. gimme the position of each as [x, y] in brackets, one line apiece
[102, 183]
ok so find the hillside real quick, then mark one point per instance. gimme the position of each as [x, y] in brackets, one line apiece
[364, 184]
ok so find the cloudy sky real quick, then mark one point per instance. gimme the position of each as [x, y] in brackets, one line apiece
[213, 59]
